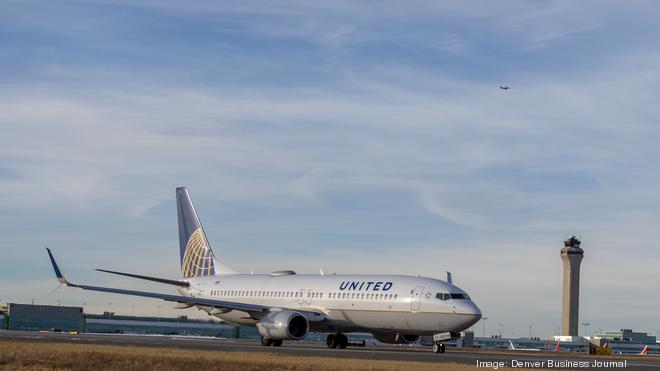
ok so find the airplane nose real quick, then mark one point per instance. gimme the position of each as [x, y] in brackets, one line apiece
[473, 314]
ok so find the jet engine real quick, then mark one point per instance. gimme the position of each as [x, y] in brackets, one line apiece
[390, 338]
[283, 325]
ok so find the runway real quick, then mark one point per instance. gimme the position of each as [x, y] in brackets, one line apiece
[379, 352]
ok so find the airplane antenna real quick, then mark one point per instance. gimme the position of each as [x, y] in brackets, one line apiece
[449, 277]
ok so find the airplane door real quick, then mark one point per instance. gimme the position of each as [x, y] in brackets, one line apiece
[301, 296]
[416, 298]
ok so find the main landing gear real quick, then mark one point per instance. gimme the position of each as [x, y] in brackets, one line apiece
[337, 340]
[438, 347]
[268, 342]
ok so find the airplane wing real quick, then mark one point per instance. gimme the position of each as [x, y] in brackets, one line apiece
[148, 278]
[256, 311]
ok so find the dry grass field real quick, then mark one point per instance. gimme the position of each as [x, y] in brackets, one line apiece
[15, 355]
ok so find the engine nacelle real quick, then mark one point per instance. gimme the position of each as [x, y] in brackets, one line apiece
[390, 338]
[283, 325]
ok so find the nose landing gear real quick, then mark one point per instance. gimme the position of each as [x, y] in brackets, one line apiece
[337, 340]
[438, 347]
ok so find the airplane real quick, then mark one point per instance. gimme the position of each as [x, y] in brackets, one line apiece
[284, 305]
[513, 347]
[645, 352]
[504, 87]
[558, 347]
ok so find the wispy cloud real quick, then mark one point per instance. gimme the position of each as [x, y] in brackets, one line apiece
[330, 129]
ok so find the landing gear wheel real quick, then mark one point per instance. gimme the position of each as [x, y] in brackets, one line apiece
[438, 348]
[342, 341]
[266, 341]
[277, 343]
[331, 341]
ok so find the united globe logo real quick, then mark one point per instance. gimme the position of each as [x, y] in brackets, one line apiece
[198, 259]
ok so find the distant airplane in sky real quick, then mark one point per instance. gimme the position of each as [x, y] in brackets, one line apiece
[504, 87]
[284, 305]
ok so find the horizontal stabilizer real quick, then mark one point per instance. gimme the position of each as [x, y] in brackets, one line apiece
[148, 278]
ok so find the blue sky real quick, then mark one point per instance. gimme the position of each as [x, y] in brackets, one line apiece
[349, 136]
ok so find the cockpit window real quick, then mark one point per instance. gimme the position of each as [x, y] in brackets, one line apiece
[442, 296]
[445, 296]
[460, 296]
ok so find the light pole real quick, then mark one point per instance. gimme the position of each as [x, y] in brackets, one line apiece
[501, 330]
[530, 331]
[483, 334]
[585, 324]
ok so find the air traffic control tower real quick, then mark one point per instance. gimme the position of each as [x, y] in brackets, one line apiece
[571, 256]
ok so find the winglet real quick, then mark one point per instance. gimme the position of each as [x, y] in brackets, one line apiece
[58, 273]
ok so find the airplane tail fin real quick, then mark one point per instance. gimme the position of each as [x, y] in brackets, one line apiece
[645, 351]
[196, 255]
[511, 346]
[558, 346]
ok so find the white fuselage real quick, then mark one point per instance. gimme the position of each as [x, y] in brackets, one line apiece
[368, 303]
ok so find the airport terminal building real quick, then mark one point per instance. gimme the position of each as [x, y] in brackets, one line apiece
[28, 317]
[627, 335]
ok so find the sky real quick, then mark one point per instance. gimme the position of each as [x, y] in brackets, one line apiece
[353, 137]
